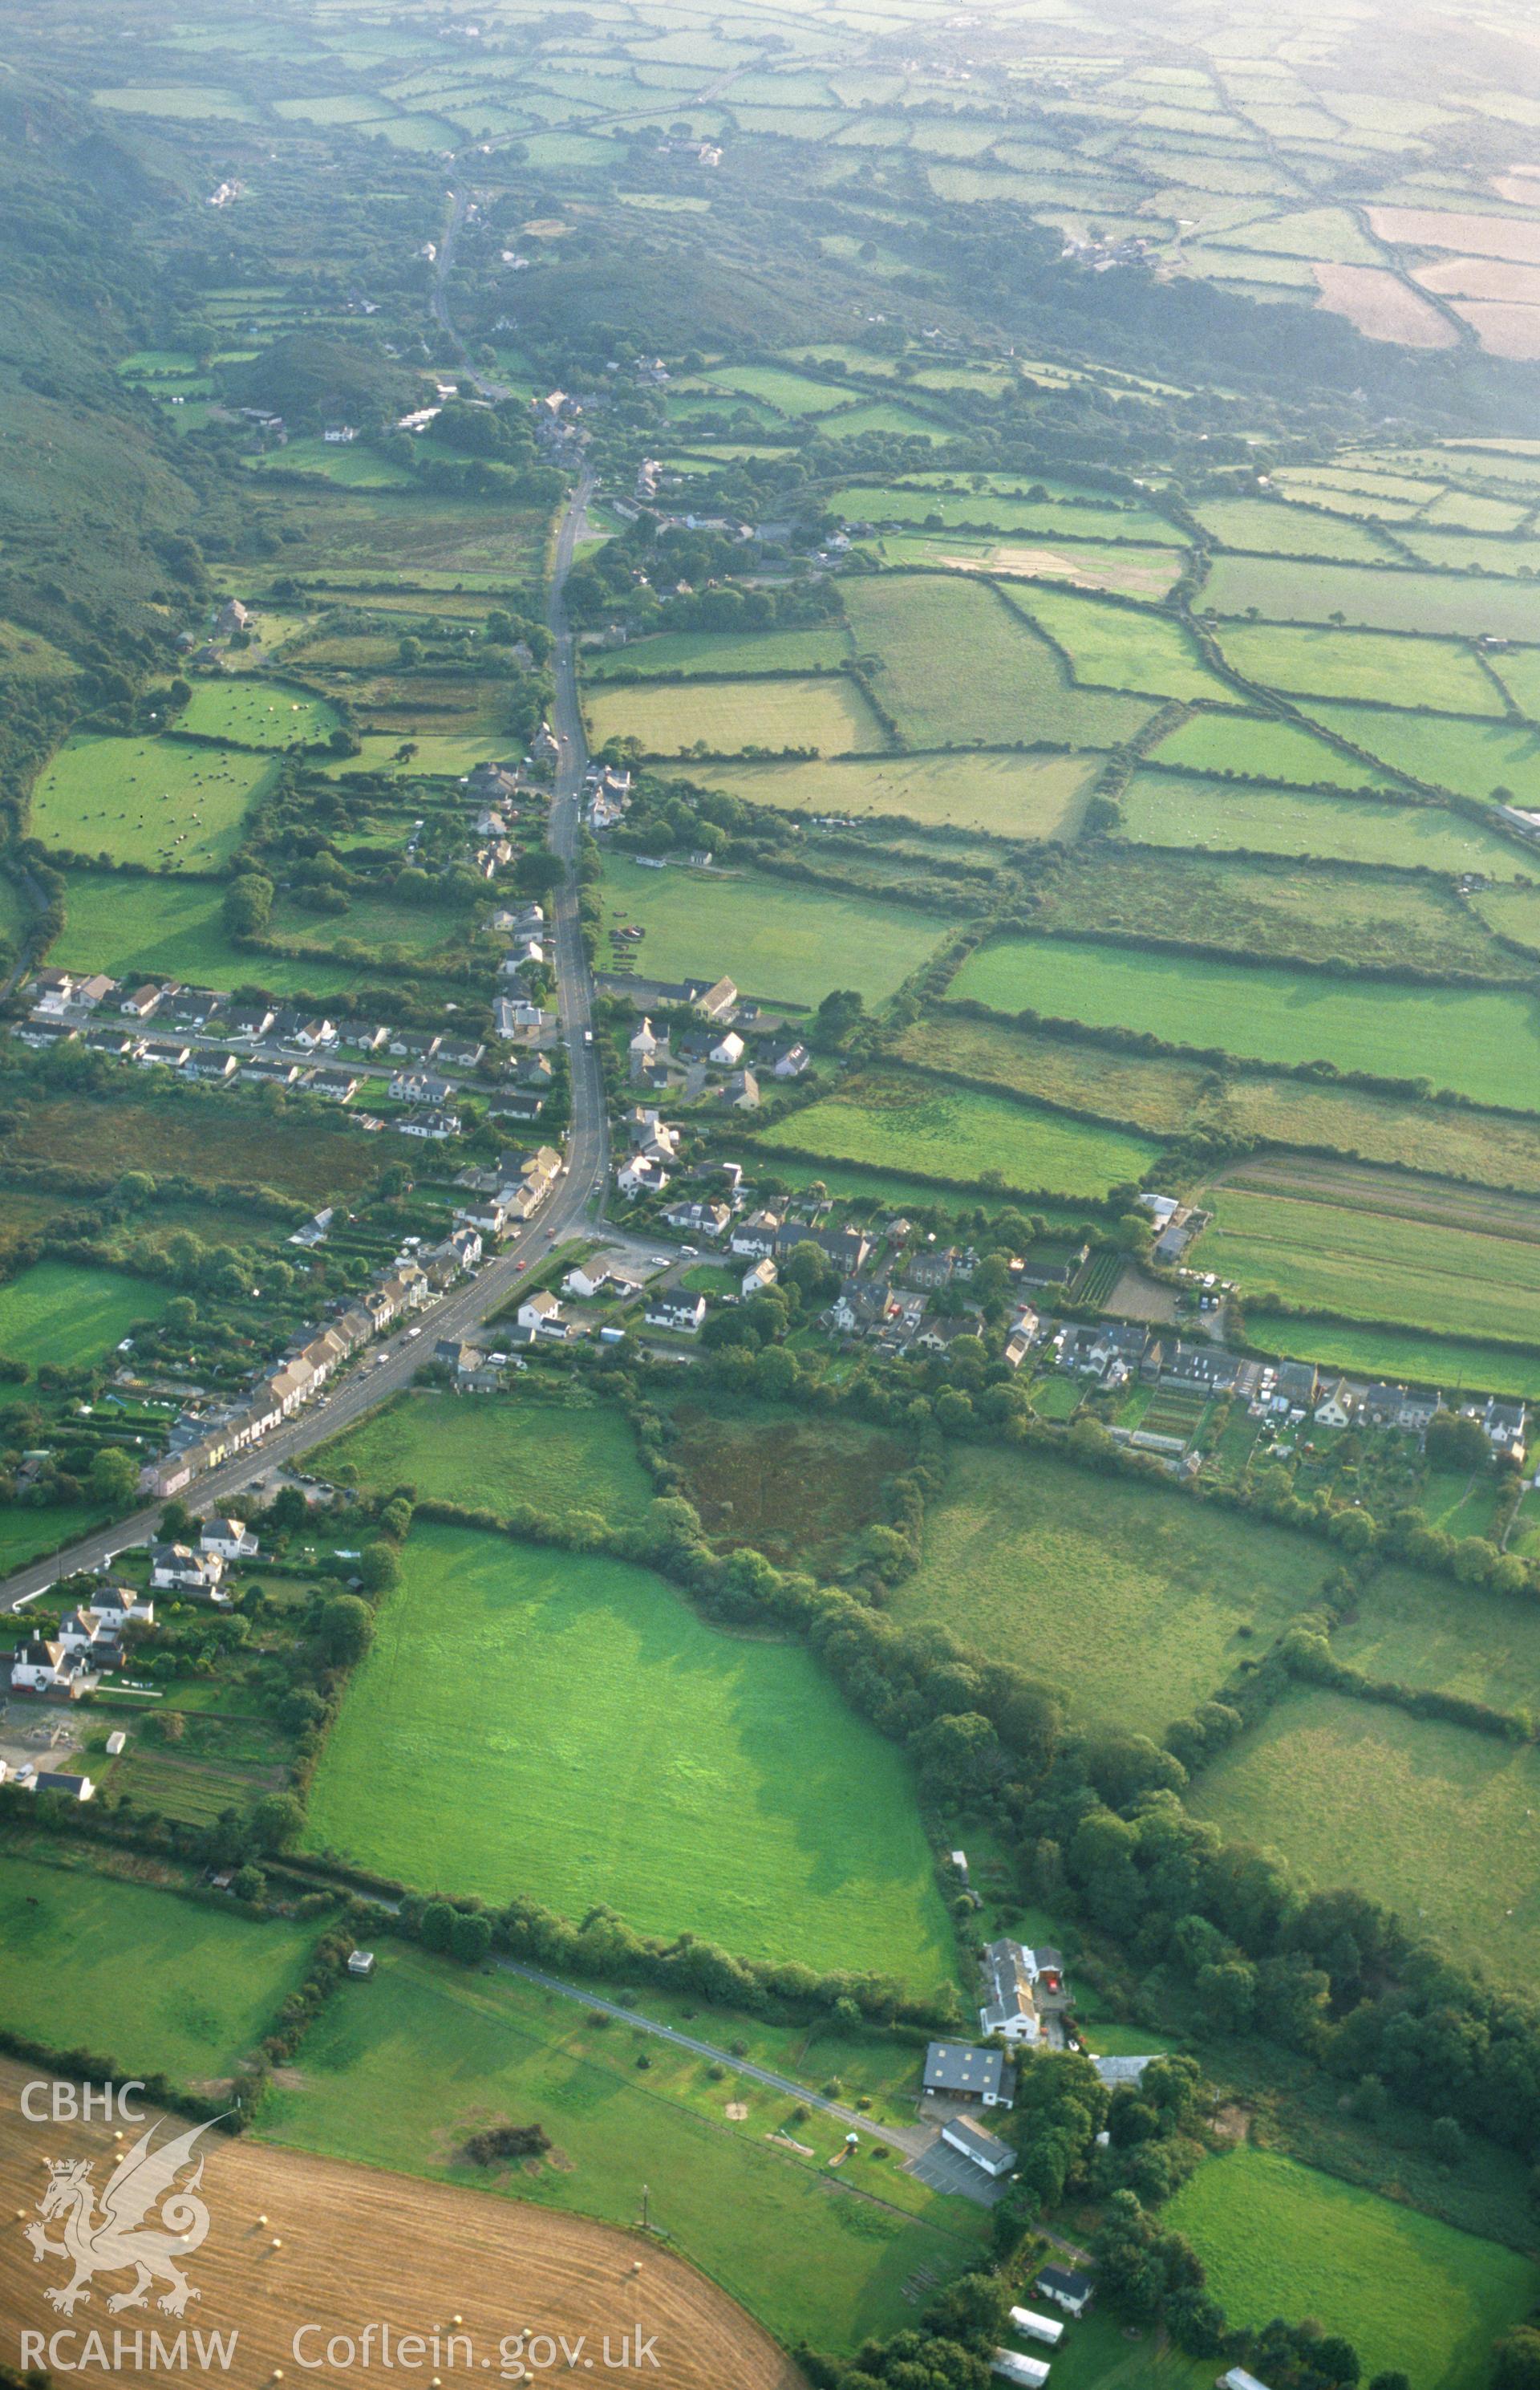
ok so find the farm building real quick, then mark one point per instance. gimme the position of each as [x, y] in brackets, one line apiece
[1066, 2288]
[985, 2150]
[955, 2070]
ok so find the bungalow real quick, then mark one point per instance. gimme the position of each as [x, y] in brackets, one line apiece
[51, 1670]
[163, 1053]
[213, 1065]
[68, 1788]
[682, 1313]
[120, 1045]
[957, 2070]
[419, 1044]
[267, 1073]
[463, 1055]
[227, 1537]
[541, 1314]
[246, 1022]
[431, 1123]
[522, 1105]
[1054, 1266]
[1068, 2289]
[791, 1062]
[758, 1279]
[336, 1087]
[996, 2157]
[176, 1568]
[728, 1051]
[709, 1220]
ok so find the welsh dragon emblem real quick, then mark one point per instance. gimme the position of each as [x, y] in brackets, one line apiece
[119, 2239]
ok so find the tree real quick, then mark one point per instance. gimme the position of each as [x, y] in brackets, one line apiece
[1516, 2360]
[248, 904]
[838, 1015]
[346, 1630]
[113, 1477]
[249, 1884]
[176, 1524]
[378, 1568]
[470, 1938]
[437, 1925]
[275, 1820]
[1446, 2142]
[538, 872]
[1454, 1443]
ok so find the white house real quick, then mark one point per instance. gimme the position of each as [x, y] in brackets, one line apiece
[758, 1279]
[728, 1051]
[115, 1604]
[756, 1236]
[175, 1568]
[227, 1539]
[1337, 1405]
[681, 1312]
[49, 1668]
[541, 1314]
[1067, 2289]
[643, 1174]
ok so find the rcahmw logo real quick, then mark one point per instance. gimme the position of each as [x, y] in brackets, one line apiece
[142, 2223]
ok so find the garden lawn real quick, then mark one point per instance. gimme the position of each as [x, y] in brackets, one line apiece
[1137, 1602]
[1483, 1044]
[492, 1453]
[781, 941]
[206, 1984]
[1002, 685]
[1475, 759]
[1386, 668]
[1175, 809]
[151, 800]
[256, 713]
[1125, 647]
[828, 713]
[1001, 795]
[401, 2075]
[67, 1314]
[1441, 1824]
[564, 1725]
[1367, 1264]
[907, 1122]
[1411, 2293]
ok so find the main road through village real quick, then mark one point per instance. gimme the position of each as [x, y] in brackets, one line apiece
[577, 1204]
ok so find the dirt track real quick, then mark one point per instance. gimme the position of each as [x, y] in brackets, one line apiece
[362, 2247]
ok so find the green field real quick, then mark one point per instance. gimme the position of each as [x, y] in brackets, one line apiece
[146, 801]
[829, 714]
[1268, 528]
[494, 1454]
[781, 942]
[1004, 510]
[716, 652]
[1002, 796]
[1382, 666]
[1137, 1602]
[166, 928]
[1125, 647]
[62, 1312]
[26, 1532]
[1370, 1265]
[1255, 744]
[256, 714]
[1404, 1630]
[1450, 1363]
[908, 1122]
[1173, 809]
[1483, 1044]
[1438, 1823]
[398, 2073]
[741, 1799]
[206, 1984]
[354, 466]
[1472, 758]
[1409, 2292]
[1002, 685]
[1465, 604]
